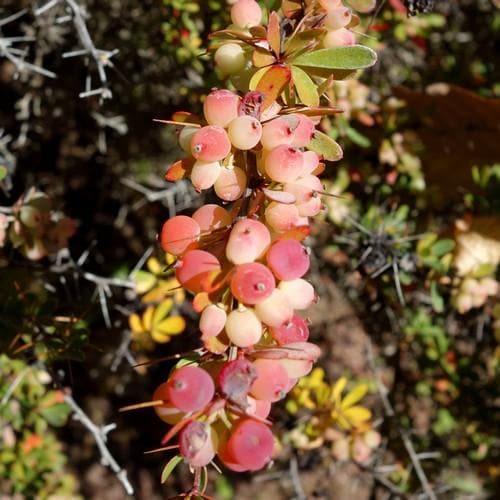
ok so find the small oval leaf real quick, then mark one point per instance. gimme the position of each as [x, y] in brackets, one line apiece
[169, 467]
[306, 88]
[325, 146]
[346, 58]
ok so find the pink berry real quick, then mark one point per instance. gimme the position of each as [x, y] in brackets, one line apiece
[294, 330]
[304, 132]
[272, 381]
[246, 13]
[251, 283]
[338, 17]
[288, 259]
[251, 444]
[167, 412]
[231, 184]
[307, 191]
[300, 293]
[243, 327]
[195, 269]
[190, 388]
[236, 378]
[248, 241]
[281, 217]
[210, 144]
[279, 131]
[212, 321]
[275, 310]
[339, 38]
[245, 132]
[284, 164]
[196, 444]
[204, 174]
[212, 217]
[221, 107]
[179, 234]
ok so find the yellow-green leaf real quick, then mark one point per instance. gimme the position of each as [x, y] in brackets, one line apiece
[147, 318]
[325, 146]
[162, 310]
[135, 323]
[173, 325]
[344, 58]
[338, 388]
[306, 88]
[169, 467]
[354, 396]
[356, 415]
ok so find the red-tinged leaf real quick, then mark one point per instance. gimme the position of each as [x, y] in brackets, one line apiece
[185, 116]
[262, 57]
[258, 32]
[274, 33]
[273, 82]
[305, 351]
[319, 169]
[178, 427]
[298, 233]
[279, 196]
[200, 301]
[355, 21]
[291, 8]
[179, 170]
[230, 35]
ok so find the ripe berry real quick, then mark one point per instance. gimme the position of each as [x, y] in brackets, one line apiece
[275, 310]
[284, 164]
[294, 330]
[190, 388]
[231, 184]
[337, 18]
[248, 241]
[243, 327]
[212, 217]
[221, 107]
[251, 283]
[251, 444]
[210, 144]
[212, 321]
[300, 293]
[288, 259]
[272, 381]
[245, 132]
[246, 13]
[196, 269]
[179, 234]
[204, 174]
[196, 443]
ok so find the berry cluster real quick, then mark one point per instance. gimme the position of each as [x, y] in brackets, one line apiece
[245, 266]
[244, 259]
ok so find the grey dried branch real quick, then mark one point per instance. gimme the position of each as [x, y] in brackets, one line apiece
[101, 58]
[16, 55]
[100, 436]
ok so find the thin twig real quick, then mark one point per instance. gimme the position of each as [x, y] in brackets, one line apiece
[100, 436]
[295, 477]
[13, 386]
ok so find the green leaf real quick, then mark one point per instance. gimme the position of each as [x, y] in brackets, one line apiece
[325, 146]
[57, 414]
[306, 88]
[358, 138]
[169, 467]
[344, 58]
[437, 300]
[442, 247]
[3, 173]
